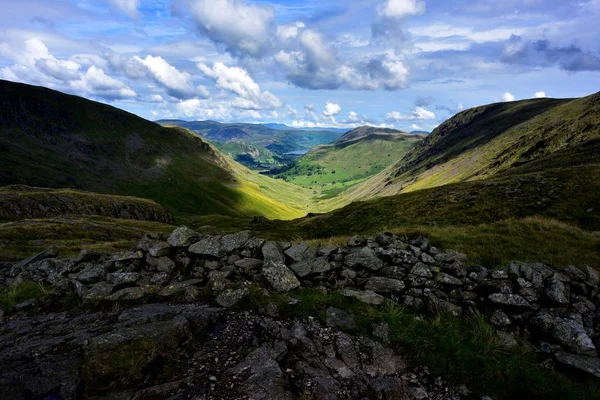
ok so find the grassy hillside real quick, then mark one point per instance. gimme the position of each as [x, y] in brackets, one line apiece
[483, 141]
[328, 170]
[50, 139]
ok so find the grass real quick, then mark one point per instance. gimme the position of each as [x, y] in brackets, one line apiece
[468, 350]
[20, 239]
[12, 295]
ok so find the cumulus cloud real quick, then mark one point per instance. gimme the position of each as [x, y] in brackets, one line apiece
[244, 29]
[508, 97]
[156, 98]
[539, 95]
[401, 8]
[418, 113]
[178, 84]
[238, 81]
[542, 53]
[388, 27]
[290, 31]
[331, 109]
[97, 83]
[129, 7]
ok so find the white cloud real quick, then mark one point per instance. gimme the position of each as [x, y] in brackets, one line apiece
[331, 109]
[242, 28]
[129, 7]
[508, 97]
[290, 31]
[156, 98]
[539, 95]
[415, 127]
[238, 81]
[178, 84]
[353, 117]
[96, 82]
[418, 113]
[401, 8]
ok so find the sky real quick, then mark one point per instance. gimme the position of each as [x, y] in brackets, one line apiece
[407, 64]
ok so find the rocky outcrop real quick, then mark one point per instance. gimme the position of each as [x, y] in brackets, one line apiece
[23, 202]
[556, 311]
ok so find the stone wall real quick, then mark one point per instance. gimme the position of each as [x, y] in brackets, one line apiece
[556, 311]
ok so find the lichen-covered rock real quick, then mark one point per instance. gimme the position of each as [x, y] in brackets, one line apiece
[272, 252]
[229, 297]
[510, 300]
[207, 247]
[588, 365]
[384, 285]
[566, 329]
[367, 296]
[557, 293]
[311, 266]
[183, 237]
[364, 258]
[281, 278]
[421, 270]
[447, 279]
[301, 252]
[120, 278]
[160, 249]
[234, 241]
[499, 318]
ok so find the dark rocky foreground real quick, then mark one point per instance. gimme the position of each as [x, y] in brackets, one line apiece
[194, 351]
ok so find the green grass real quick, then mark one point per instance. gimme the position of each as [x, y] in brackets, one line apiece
[21, 239]
[12, 295]
[467, 350]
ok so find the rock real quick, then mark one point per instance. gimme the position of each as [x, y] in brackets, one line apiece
[50, 252]
[161, 264]
[356, 241]
[129, 256]
[557, 293]
[336, 318]
[120, 278]
[589, 365]
[447, 279]
[208, 247]
[451, 257]
[160, 249]
[281, 278]
[365, 258]
[593, 276]
[230, 298]
[348, 273]
[311, 266]
[300, 252]
[499, 274]
[92, 273]
[384, 285]
[249, 264]
[272, 252]
[567, 331]
[234, 241]
[99, 291]
[436, 306]
[499, 318]
[575, 273]
[427, 259]
[367, 297]
[183, 237]
[1, 316]
[421, 270]
[327, 250]
[382, 331]
[161, 278]
[511, 300]
[127, 294]
[86, 256]
[507, 339]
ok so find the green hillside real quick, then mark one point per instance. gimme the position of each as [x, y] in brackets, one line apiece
[483, 141]
[328, 170]
[50, 139]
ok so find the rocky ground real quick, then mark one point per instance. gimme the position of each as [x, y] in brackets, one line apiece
[199, 334]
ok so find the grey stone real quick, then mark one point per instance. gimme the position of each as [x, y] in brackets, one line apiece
[249, 264]
[356, 241]
[272, 252]
[507, 339]
[567, 331]
[499, 318]
[230, 298]
[160, 249]
[365, 258]
[348, 273]
[382, 331]
[311, 266]
[161, 264]
[451, 257]
[129, 256]
[326, 250]
[161, 278]
[336, 318]
[281, 278]
[50, 252]
[511, 300]
[447, 279]
[367, 296]
[208, 247]
[593, 276]
[127, 294]
[499, 274]
[557, 293]
[182, 237]
[421, 270]
[589, 365]
[436, 306]
[300, 252]
[575, 273]
[119, 278]
[426, 258]
[92, 273]
[384, 285]
[234, 241]
[99, 291]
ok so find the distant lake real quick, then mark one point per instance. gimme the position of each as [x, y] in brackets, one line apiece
[296, 153]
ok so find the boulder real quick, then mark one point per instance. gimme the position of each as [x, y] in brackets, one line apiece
[234, 241]
[127, 294]
[566, 329]
[121, 278]
[447, 279]
[365, 258]
[589, 365]
[367, 296]
[311, 266]
[499, 318]
[301, 252]
[509, 300]
[281, 278]
[50, 252]
[208, 247]
[272, 252]
[182, 237]
[384, 285]
[229, 297]
[421, 270]
[557, 293]
[92, 273]
[159, 249]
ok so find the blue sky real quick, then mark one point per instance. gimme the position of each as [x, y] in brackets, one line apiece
[409, 64]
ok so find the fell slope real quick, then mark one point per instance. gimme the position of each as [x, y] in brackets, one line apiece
[357, 155]
[483, 141]
[50, 139]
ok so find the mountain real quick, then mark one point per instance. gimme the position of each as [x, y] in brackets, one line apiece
[50, 139]
[420, 132]
[483, 141]
[357, 155]
[270, 147]
[284, 127]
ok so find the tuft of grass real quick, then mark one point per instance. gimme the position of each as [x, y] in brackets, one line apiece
[12, 295]
[466, 349]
